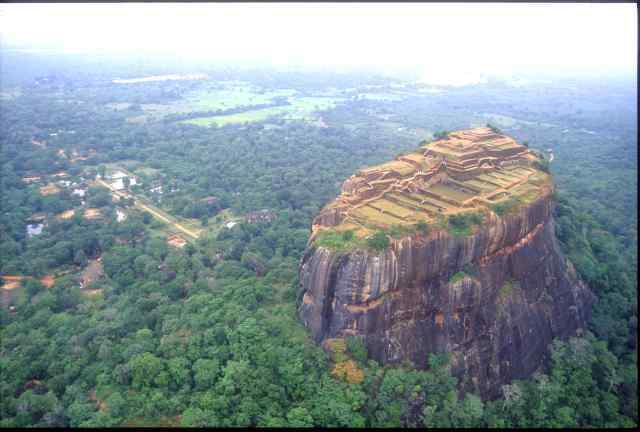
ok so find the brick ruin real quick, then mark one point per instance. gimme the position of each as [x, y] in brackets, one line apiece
[469, 169]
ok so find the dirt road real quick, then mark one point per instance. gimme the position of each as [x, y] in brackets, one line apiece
[159, 214]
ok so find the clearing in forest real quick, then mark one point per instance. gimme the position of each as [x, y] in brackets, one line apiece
[176, 241]
[11, 282]
[49, 189]
[66, 214]
[92, 213]
[48, 281]
[91, 273]
[298, 109]
[215, 97]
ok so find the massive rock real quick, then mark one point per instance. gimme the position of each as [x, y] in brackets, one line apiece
[512, 293]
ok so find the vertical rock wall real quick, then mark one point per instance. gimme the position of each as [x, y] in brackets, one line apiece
[518, 293]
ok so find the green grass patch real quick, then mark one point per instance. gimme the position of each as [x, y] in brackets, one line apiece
[298, 109]
[378, 241]
[347, 241]
[145, 170]
[398, 231]
[338, 350]
[244, 117]
[338, 240]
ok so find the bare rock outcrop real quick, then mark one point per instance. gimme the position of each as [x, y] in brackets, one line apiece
[512, 293]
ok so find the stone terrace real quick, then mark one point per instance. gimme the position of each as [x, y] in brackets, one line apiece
[468, 171]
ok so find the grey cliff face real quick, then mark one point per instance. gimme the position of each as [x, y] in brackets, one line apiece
[518, 293]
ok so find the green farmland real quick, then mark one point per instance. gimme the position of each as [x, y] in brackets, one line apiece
[298, 109]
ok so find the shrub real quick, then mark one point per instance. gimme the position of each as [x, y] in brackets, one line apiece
[460, 224]
[378, 241]
[542, 165]
[494, 128]
[458, 221]
[156, 223]
[399, 231]
[357, 349]
[337, 240]
[505, 207]
[457, 277]
[440, 135]
[469, 269]
[422, 226]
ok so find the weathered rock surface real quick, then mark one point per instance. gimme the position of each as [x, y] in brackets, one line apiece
[518, 294]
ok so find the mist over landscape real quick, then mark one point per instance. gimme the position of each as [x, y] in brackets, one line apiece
[318, 215]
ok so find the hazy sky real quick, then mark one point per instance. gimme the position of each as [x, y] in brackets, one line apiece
[443, 40]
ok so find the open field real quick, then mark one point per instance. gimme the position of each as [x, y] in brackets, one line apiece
[298, 109]
[511, 122]
[236, 95]
[245, 117]
[145, 170]
[214, 98]
[233, 98]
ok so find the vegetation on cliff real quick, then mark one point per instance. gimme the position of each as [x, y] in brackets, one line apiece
[460, 225]
[194, 337]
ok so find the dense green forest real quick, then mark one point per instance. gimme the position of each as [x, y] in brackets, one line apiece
[207, 334]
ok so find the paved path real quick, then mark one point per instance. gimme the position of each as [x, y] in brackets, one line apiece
[154, 211]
